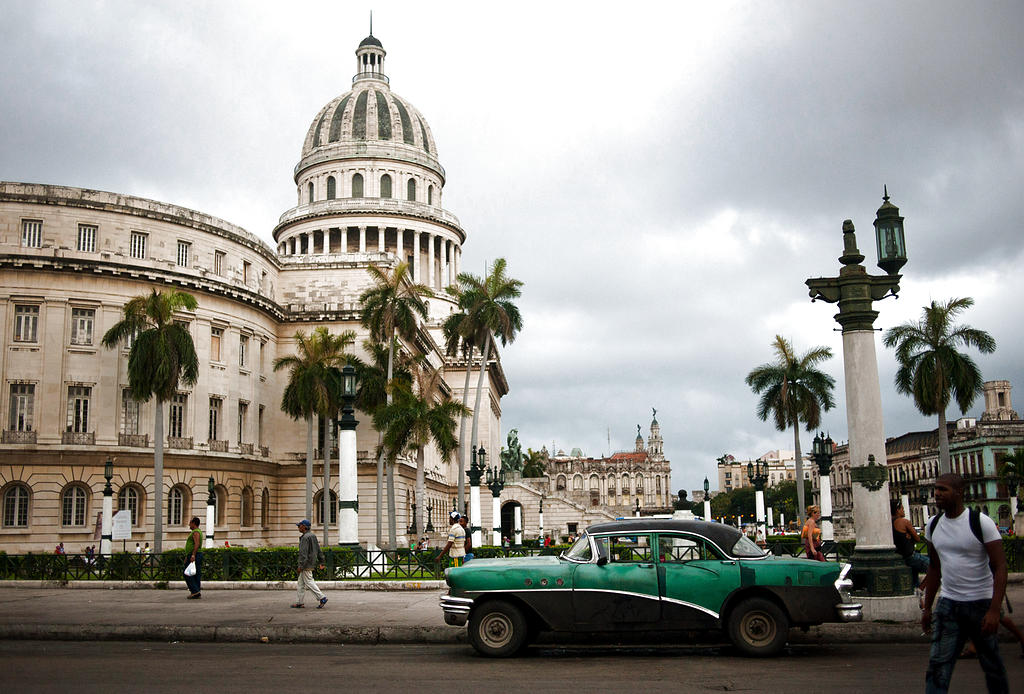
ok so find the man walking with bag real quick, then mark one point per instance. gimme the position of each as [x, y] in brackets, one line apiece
[967, 559]
[310, 556]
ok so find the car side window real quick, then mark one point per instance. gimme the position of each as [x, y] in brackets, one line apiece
[622, 549]
[677, 548]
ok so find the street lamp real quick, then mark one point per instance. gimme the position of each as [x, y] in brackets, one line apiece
[1012, 480]
[877, 569]
[107, 527]
[348, 488]
[430, 517]
[638, 508]
[821, 451]
[707, 501]
[476, 472]
[211, 501]
[757, 473]
[496, 482]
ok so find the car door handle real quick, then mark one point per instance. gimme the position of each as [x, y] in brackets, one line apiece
[730, 563]
[646, 566]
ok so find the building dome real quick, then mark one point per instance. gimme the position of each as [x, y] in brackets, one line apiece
[370, 40]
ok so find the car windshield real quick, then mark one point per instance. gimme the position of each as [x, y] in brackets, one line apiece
[745, 547]
[580, 551]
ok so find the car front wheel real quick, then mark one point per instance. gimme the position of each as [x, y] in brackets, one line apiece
[758, 627]
[497, 629]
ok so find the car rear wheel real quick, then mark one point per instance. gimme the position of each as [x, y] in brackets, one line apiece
[497, 629]
[758, 627]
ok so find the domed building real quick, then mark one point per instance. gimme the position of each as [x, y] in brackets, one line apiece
[368, 191]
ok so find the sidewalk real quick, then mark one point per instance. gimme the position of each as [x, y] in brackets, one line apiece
[361, 613]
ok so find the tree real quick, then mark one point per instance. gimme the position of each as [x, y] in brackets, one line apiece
[792, 391]
[491, 313]
[536, 462]
[313, 389]
[161, 357]
[783, 500]
[390, 309]
[931, 370]
[417, 417]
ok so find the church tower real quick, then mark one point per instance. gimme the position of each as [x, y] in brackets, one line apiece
[655, 451]
[639, 440]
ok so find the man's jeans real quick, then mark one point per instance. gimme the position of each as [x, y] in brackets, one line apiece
[193, 581]
[953, 622]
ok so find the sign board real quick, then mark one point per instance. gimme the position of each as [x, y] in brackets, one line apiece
[122, 525]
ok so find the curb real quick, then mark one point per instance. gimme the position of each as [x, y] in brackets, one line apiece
[226, 585]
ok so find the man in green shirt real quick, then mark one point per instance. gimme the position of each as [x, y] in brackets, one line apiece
[193, 545]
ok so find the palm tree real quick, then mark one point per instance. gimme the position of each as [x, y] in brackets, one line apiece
[534, 464]
[792, 391]
[930, 367]
[390, 308]
[491, 314]
[417, 417]
[162, 356]
[312, 390]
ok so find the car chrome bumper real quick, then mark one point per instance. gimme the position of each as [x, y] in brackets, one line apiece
[456, 610]
[850, 612]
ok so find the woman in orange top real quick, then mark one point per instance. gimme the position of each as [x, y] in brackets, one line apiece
[811, 534]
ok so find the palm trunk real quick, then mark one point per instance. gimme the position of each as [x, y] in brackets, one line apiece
[309, 468]
[464, 454]
[327, 482]
[390, 482]
[158, 477]
[380, 492]
[392, 531]
[799, 470]
[945, 466]
[480, 388]
[421, 488]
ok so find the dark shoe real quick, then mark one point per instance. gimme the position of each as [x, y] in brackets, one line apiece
[194, 596]
[297, 604]
[323, 601]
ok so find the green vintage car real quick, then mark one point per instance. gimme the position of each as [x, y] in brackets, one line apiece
[648, 575]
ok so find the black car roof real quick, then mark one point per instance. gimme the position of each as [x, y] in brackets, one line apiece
[724, 536]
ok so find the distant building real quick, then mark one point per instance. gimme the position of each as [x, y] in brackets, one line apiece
[732, 473]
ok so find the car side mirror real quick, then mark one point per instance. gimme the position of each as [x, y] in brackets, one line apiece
[602, 560]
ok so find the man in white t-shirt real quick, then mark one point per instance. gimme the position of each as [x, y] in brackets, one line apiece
[972, 573]
[456, 546]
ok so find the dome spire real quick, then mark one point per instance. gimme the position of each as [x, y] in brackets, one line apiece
[370, 58]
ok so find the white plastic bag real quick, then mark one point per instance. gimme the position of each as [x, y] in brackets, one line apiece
[190, 570]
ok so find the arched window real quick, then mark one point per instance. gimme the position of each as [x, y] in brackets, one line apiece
[625, 485]
[595, 483]
[310, 191]
[130, 499]
[560, 483]
[657, 484]
[177, 505]
[265, 508]
[330, 187]
[246, 507]
[318, 503]
[73, 506]
[577, 483]
[16, 506]
[220, 504]
[385, 186]
[430, 195]
[639, 486]
[357, 185]
[410, 192]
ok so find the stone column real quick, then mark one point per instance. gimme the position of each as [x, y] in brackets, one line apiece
[474, 513]
[362, 239]
[541, 522]
[416, 263]
[107, 526]
[759, 522]
[381, 233]
[400, 245]
[828, 531]
[771, 520]
[348, 496]
[344, 240]
[518, 526]
[496, 518]
[209, 519]
[707, 510]
[430, 260]
[445, 277]
[327, 241]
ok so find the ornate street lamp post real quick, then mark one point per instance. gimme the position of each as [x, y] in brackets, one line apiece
[821, 451]
[412, 526]
[430, 517]
[496, 481]
[106, 530]
[707, 500]
[877, 569]
[757, 473]
[348, 487]
[541, 535]
[1012, 482]
[476, 471]
[638, 508]
[211, 500]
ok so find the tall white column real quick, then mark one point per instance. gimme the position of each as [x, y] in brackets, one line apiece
[400, 245]
[771, 519]
[496, 520]
[416, 262]
[344, 240]
[362, 239]
[348, 490]
[782, 521]
[827, 526]
[107, 526]
[445, 276]
[474, 515]
[518, 525]
[209, 522]
[540, 524]
[326, 241]
[430, 261]
[381, 234]
[707, 510]
[759, 518]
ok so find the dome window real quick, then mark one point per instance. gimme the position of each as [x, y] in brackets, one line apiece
[430, 195]
[385, 186]
[310, 191]
[330, 188]
[411, 190]
[357, 185]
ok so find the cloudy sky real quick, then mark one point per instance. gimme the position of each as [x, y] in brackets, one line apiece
[663, 177]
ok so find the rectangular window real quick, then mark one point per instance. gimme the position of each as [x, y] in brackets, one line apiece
[176, 423]
[78, 408]
[87, 238]
[31, 233]
[263, 350]
[246, 272]
[129, 413]
[243, 348]
[184, 247]
[26, 320]
[23, 397]
[259, 426]
[81, 325]
[138, 245]
[215, 339]
[218, 263]
[215, 407]
[243, 413]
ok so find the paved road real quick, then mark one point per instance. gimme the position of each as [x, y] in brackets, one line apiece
[51, 666]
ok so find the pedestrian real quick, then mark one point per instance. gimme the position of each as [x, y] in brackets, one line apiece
[456, 545]
[464, 522]
[811, 534]
[59, 549]
[193, 543]
[905, 537]
[138, 548]
[146, 550]
[310, 555]
[967, 559]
